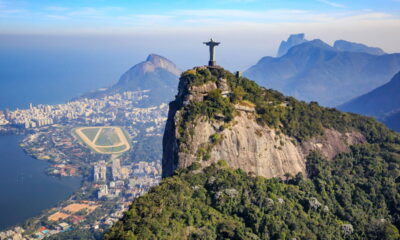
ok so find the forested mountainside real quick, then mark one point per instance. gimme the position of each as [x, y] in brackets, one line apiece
[354, 196]
[349, 193]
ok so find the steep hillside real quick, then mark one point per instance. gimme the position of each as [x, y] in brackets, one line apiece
[337, 191]
[347, 46]
[379, 103]
[217, 115]
[315, 71]
[354, 196]
[157, 74]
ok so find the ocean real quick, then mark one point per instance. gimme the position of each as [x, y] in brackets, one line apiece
[56, 76]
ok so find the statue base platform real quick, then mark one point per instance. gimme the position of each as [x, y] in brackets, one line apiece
[212, 63]
[215, 66]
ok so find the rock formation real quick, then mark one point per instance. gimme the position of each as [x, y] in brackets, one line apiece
[243, 142]
[347, 46]
[293, 40]
[157, 74]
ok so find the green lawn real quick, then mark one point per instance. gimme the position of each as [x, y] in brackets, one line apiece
[108, 137]
[90, 132]
[112, 149]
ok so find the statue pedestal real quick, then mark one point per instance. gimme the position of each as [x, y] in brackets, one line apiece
[212, 63]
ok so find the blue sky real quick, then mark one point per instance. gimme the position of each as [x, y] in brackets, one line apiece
[85, 44]
[69, 16]
[248, 28]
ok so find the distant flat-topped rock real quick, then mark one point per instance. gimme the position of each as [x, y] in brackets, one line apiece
[347, 46]
[293, 40]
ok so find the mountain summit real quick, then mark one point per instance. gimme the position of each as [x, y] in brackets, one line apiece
[293, 40]
[316, 71]
[157, 74]
[347, 46]
[157, 61]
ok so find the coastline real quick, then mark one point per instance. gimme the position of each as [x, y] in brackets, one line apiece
[33, 173]
[125, 176]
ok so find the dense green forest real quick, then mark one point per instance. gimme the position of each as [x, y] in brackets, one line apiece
[353, 196]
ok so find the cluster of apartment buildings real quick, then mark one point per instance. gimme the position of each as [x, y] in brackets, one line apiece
[91, 111]
[125, 181]
[119, 180]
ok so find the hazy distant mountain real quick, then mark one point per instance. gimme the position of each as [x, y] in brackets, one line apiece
[346, 46]
[293, 40]
[379, 102]
[393, 121]
[157, 74]
[315, 71]
[382, 103]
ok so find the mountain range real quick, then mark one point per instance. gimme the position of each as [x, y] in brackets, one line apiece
[331, 75]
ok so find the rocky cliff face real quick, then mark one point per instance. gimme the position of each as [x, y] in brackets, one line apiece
[243, 142]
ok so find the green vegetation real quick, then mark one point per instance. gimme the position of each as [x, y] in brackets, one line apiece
[108, 141]
[77, 234]
[354, 196]
[203, 152]
[148, 149]
[112, 149]
[295, 118]
[90, 132]
[108, 137]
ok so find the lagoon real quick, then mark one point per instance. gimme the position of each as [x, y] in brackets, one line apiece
[25, 189]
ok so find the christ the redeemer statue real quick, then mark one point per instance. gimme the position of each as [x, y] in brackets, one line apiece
[212, 44]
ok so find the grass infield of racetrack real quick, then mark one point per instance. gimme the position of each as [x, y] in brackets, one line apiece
[104, 140]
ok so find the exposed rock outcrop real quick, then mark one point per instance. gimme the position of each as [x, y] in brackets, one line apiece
[243, 142]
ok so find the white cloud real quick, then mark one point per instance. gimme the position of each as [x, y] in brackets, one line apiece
[57, 8]
[7, 11]
[56, 17]
[145, 19]
[333, 4]
[223, 16]
[238, 13]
